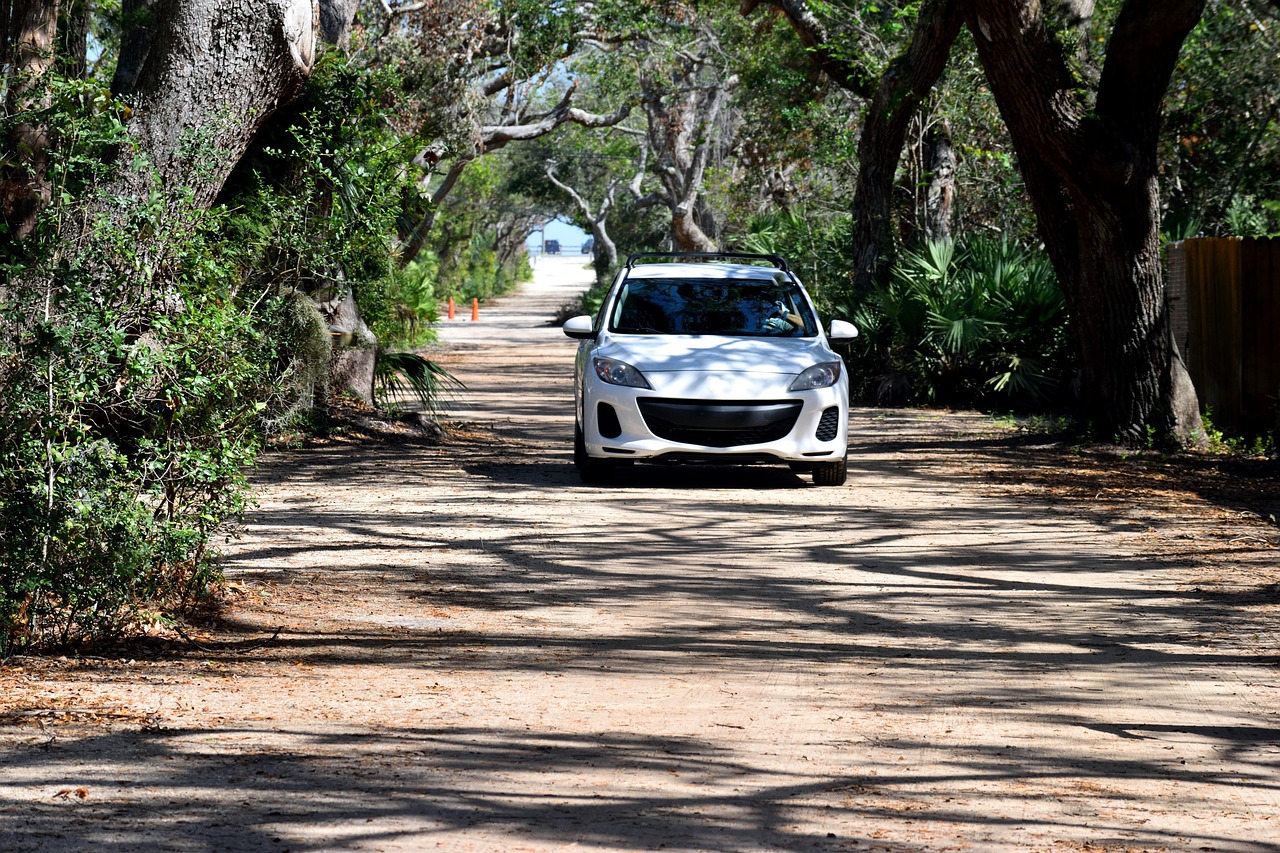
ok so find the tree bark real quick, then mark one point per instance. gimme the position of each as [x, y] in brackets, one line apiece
[28, 54]
[213, 74]
[903, 85]
[940, 171]
[335, 20]
[1091, 176]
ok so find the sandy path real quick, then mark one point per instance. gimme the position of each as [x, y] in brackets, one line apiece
[479, 653]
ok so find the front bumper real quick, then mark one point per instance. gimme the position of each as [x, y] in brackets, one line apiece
[645, 425]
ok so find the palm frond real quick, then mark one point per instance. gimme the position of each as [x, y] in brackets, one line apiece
[407, 374]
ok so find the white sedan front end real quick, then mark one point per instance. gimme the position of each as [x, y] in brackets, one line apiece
[712, 398]
[709, 363]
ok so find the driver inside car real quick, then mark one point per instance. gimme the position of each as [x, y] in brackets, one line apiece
[782, 320]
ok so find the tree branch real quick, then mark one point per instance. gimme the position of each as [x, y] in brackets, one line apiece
[1141, 56]
[813, 35]
[497, 84]
[493, 137]
[573, 194]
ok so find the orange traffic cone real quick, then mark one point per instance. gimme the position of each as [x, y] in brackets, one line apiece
[452, 309]
[475, 309]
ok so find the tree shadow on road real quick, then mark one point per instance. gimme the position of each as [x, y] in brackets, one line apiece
[952, 603]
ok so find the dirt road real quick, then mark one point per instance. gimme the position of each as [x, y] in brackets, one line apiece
[478, 653]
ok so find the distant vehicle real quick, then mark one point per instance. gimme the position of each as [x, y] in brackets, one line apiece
[588, 245]
[709, 358]
[553, 247]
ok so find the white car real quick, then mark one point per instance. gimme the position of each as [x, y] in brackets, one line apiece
[698, 358]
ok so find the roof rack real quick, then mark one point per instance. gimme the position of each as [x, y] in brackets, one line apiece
[703, 256]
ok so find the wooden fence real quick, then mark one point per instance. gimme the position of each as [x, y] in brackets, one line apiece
[1225, 299]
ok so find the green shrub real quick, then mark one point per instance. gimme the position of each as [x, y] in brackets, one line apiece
[982, 322]
[136, 368]
[817, 251]
[415, 304]
[127, 416]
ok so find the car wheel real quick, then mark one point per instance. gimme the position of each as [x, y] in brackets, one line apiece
[593, 472]
[831, 473]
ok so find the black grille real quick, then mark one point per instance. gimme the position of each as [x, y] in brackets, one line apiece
[607, 421]
[714, 423]
[829, 425]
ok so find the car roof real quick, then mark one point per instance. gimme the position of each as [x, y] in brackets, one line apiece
[706, 270]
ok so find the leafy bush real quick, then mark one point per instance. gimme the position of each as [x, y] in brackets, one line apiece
[981, 322]
[127, 415]
[817, 250]
[415, 305]
[137, 366]
[319, 197]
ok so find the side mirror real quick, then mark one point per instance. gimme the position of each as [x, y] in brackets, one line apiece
[842, 330]
[579, 328]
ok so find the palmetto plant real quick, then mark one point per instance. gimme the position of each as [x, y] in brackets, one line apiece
[407, 374]
[981, 321]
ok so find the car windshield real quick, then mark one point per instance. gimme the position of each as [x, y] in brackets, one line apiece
[746, 307]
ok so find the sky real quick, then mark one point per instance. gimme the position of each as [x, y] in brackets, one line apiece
[570, 237]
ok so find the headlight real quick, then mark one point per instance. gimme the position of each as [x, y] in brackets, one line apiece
[819, 376]
[620, 373]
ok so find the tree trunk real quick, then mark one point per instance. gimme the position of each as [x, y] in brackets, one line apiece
[335, 20]
[688, 236]
[27, 54]
[940, 170]
[1091, 176]
[138, 18]
[213, 74]
[604, 252]
[903, 85]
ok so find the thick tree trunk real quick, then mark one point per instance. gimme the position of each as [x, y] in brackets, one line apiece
[213, 74]
[1091, 176]
[688, 235]
[27, 53]
[903, 85]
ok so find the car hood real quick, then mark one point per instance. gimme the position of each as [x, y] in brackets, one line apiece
[716, 353]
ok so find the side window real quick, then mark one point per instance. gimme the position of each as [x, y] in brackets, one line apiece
[624, 293]
[612, 298]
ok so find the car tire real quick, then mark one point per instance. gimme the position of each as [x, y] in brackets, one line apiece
[594, 472]
[831, 473]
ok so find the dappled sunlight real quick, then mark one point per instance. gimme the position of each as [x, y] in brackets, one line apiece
[942, 634]
[472, 648]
